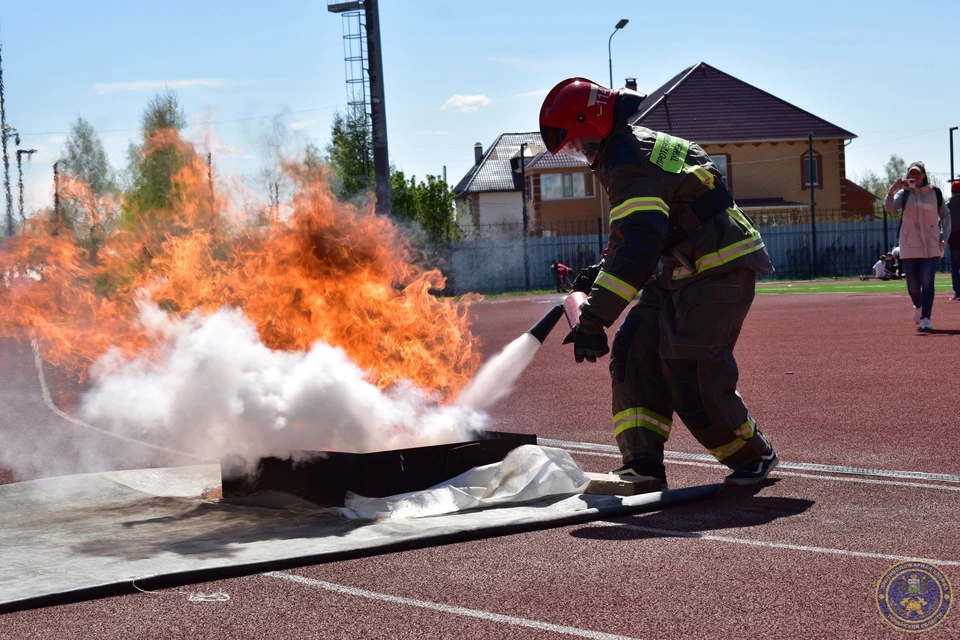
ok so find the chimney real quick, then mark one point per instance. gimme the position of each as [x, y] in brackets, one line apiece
[631, 84]
[477, 153]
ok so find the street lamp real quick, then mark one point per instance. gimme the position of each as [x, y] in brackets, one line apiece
[620, 25]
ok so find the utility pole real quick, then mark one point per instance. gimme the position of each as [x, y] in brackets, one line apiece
[56, 197]
[526, 219]
[20, 154]
[952, 129]
[4, 134]
[811, 175]
[210, 175]
[378, 109]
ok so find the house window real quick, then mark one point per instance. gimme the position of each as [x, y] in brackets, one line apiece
[811, 169]
[557, 186]
[722, 160]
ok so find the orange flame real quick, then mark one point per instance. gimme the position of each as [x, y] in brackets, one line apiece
[327, 271]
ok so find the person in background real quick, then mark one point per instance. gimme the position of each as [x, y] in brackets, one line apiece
[881, 270]
[896, 266]
[923, 235]
[561, 276]
[954, 239]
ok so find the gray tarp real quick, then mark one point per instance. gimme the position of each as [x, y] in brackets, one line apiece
[73, 537]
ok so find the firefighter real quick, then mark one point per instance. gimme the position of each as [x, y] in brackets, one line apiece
[674, 350]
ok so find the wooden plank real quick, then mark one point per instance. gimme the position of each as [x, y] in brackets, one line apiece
[610, 484]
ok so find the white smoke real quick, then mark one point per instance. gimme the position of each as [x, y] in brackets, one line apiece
[497, 377]
[216, 389]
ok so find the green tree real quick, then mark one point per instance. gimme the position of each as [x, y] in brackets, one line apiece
[154, 161]
[428, 204]
[312, 158]
[403, 196]
[894, 168]
[435, 210]
[872, 183]
[350, 154]
[84, 157]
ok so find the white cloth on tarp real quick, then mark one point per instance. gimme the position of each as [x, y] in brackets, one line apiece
[528, 472]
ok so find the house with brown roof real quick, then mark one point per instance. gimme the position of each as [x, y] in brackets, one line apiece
[759, 142]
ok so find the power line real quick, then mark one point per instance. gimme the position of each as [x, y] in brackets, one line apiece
[207, 122]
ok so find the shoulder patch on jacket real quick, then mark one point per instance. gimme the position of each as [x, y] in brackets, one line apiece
[669, 153]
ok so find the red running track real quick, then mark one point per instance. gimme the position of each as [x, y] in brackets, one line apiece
[833, 379]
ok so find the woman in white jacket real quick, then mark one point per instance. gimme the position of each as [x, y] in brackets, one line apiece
[923, 235]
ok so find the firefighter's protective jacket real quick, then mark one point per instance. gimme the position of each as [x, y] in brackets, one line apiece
[667, 203]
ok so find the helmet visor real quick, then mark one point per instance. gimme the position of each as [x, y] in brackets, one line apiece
[553, 137]
[575, 149]
[584, 149]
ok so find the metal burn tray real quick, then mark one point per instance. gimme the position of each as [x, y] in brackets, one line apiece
[324, 477]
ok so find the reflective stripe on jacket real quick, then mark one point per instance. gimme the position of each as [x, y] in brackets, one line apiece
[668, 203]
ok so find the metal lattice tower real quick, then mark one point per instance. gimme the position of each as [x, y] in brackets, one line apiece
[356, 73]
[362, 55]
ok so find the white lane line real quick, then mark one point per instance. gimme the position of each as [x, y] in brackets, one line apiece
[48, 400]
[777, 472]
[799, 466]
[445, 608]
[771, 545]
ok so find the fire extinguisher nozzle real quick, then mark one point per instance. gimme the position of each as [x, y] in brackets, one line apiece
[545, 325]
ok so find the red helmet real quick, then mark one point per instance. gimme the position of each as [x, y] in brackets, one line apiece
[576, 108]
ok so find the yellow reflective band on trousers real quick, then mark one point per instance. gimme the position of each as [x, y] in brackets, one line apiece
[744, 433]
[747, 429]
[669, 153]
[728, 254]
[638, 417]
[620, 287]
[633, 205]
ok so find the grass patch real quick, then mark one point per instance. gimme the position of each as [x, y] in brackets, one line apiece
[845, 285]
[841, 286]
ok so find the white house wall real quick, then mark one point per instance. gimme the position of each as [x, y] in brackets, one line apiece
[501, 207]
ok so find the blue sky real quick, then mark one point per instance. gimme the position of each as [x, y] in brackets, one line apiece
[883, 70]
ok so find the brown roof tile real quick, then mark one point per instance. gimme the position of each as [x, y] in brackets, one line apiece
[704, 104]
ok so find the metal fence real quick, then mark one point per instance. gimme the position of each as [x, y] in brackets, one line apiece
[836, 244]
[500, 261]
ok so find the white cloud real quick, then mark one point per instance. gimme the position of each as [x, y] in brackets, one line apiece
[466, 104]
[530, 94]
[150, 85]
[57, 139]
[433, 132]
[300, 125]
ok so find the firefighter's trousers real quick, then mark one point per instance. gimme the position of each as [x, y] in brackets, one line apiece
[674, 353]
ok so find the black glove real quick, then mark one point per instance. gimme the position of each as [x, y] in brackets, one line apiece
[589, 340]
[584, 281]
